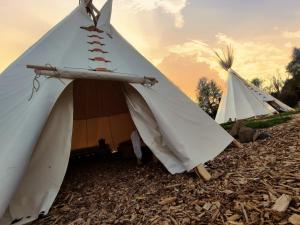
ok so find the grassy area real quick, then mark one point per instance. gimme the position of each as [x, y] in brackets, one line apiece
[266, 121]
[258, 124]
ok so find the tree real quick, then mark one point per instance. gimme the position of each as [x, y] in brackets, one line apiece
[294, 66]
[209, 96]
[276, 84]
[291, 90]
[257, 82]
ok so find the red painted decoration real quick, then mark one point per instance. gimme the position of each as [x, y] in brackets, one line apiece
[99, 59]
[101, 69]
[96, 42]
[97, 50]
[95, 36]
[92, 28]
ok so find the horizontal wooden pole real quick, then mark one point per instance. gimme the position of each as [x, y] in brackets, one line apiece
[41, 67]
[99, 75]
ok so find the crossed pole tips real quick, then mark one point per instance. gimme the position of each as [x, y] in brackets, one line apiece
[92, 10]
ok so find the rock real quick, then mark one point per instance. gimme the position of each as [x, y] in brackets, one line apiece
[261, 135]
[243, 133]
[246, 134]
[236, 128]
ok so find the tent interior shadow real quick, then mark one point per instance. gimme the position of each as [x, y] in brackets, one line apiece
[101, 115]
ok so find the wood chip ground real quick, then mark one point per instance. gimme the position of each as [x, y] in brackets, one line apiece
[258, 184]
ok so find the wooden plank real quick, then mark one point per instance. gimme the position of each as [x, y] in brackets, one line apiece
[202, 172]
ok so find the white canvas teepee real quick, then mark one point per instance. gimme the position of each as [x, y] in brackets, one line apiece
[242, 100]
[39, 126]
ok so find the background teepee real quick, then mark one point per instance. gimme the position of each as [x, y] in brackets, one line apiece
[241, 99]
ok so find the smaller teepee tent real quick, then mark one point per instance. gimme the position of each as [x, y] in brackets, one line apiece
[241, 99]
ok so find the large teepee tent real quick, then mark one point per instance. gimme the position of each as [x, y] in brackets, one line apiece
[241, 99]
[42, 118]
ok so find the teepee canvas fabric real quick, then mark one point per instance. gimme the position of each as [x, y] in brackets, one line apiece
[242, 100]
[39, 126]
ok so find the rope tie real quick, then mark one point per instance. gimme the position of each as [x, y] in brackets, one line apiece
[36, 83]
[35, 86]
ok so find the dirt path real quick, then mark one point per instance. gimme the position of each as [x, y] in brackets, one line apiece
[246, 183]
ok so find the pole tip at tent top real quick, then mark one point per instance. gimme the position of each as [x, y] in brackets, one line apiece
[91, 9]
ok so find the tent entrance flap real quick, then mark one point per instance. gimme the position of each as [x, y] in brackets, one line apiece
[100, 112]
[276, 106]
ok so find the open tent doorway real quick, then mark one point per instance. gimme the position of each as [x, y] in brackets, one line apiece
[276, 106]
[100, 113]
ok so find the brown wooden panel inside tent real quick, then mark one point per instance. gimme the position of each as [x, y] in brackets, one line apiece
[100, 111]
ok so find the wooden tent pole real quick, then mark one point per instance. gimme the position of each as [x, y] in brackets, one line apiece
[84, 74]
[95, 18]
[93, 11]
[36, 67]
[94, 8]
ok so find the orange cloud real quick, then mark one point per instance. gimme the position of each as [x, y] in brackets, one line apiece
[256, 59]
[173, 7]
[185, 72]
[291, 35]
[252, 58]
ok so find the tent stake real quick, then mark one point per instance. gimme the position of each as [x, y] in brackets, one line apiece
[237, 143]
[202, 172]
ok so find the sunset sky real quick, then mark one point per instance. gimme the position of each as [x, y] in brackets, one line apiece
[178, 36]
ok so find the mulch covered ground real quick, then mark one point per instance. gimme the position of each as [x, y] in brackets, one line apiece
[258, 184]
